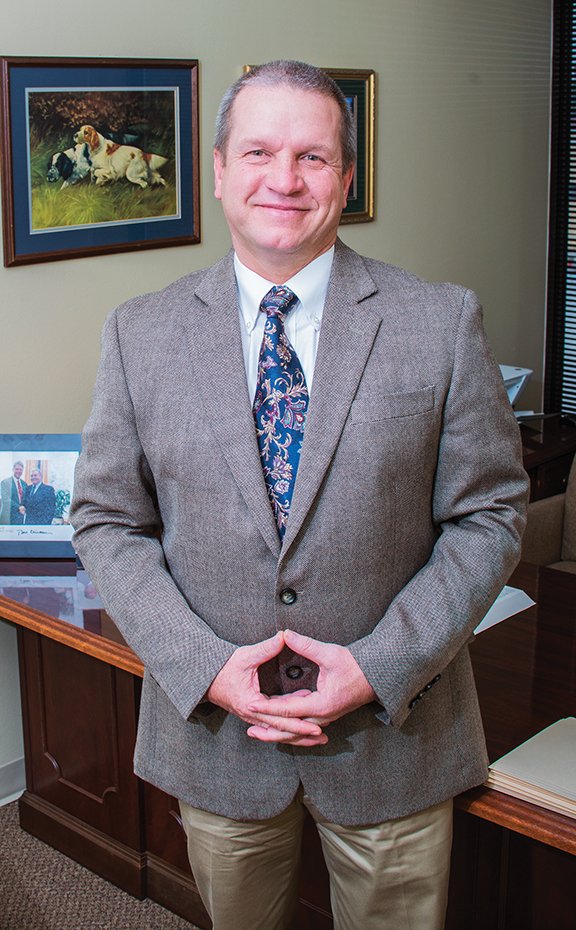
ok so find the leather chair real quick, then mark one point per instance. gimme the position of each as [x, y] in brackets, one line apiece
[550, 537]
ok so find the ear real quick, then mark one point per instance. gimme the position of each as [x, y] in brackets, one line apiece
[218, 172]
[92, 137]
[346, 182]
[65, 166]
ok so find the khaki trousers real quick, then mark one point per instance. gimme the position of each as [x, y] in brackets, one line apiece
[390, 876]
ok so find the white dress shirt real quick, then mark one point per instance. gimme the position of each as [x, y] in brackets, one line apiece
[304, 317]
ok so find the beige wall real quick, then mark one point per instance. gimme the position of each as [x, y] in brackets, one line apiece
[462, 135]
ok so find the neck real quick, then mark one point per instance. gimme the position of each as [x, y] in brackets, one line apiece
[277, 267]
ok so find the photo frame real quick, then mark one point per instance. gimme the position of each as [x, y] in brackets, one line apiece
[36, 486]
[359, 89]
[98, 156]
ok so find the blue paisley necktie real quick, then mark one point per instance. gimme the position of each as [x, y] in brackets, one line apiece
[280, 405]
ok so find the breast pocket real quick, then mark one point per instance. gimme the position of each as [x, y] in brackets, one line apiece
[378, 406]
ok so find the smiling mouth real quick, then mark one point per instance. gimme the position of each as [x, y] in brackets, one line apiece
[282, 207]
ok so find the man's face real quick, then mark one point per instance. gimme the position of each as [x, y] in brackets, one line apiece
[280, 180]
[17, 470]
[35, 476]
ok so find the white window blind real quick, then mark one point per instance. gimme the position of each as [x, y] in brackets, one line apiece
[560, 379]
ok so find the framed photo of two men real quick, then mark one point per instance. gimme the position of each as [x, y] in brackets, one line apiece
[98, 156]
[36, 484]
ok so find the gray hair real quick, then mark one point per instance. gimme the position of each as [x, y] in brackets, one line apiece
[295, 74]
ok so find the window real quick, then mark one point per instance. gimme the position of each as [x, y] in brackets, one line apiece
[560, 379]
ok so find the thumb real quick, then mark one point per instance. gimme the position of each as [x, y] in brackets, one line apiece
[268, 648]
[305, 646]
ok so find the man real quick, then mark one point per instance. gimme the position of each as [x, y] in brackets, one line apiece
[305, 644]
[12, 492]
[39, 501]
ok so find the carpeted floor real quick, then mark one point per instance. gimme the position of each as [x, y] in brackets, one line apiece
[40, 889]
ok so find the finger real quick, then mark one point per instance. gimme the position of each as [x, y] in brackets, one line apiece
[288, 706]
[304, 692]
[293, 725]
[306, 646]
[269, 648]
[258, 653]
[274, 735]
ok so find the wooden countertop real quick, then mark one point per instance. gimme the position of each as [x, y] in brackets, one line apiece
[35, 607]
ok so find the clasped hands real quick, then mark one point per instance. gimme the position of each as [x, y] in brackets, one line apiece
[298, 718]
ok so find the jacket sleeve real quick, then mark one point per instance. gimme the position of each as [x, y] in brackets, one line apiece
[117, 536]
[479, 510]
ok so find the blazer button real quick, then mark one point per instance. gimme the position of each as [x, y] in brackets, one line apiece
[288, 595]
[294, 671]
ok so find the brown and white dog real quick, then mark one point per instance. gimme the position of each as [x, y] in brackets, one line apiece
[111, 161]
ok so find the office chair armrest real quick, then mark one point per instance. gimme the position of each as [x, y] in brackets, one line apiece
[542, 542]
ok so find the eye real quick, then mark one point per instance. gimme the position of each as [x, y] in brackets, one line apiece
[256, 155]
[315, 160]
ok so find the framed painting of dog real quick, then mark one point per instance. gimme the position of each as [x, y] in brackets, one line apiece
[98, 156]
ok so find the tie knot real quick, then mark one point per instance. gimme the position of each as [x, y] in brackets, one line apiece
[277, 300]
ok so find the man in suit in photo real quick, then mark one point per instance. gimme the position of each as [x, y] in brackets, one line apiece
[300, 543]
[12, 493]
[39, 504]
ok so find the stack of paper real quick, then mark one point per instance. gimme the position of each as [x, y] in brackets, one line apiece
[510, 601]
[542, 770]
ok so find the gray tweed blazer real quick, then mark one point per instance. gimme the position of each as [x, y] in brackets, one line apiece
[405, 523]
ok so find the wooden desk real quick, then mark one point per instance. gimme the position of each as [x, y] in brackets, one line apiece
[514, 865]
[548, 447]
[80, 687]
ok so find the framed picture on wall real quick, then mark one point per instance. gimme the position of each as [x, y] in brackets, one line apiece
[36, 484]
[98, 156]
[359, 90]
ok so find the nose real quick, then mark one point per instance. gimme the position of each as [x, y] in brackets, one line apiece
[285, 176]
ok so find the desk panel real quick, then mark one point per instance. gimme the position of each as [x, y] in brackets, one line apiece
[513, 864]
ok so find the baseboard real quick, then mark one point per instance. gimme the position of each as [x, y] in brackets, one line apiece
[176, 891]
[112, 860]
[12, 780]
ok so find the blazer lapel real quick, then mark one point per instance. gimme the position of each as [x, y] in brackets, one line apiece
[216, 348]
[346, 338]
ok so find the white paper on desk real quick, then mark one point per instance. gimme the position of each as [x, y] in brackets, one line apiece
[545, 763]
[510, 601]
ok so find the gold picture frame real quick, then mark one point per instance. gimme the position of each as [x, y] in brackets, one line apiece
[359, 89]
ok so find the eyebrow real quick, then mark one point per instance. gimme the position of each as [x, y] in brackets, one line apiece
[256, 143]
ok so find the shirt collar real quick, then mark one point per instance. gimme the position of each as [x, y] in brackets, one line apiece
[310, 284]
